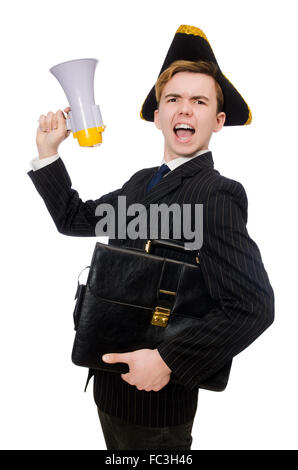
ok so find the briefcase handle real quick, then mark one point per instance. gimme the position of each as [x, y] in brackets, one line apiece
[166, 244]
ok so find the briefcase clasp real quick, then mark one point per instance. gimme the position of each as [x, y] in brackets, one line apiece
[160, 316]
[148, 246]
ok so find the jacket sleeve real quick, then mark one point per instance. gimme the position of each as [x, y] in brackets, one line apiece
[238, 283]
[71, 215]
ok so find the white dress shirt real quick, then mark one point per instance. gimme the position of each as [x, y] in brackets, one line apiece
[172, 164]
[38, 163]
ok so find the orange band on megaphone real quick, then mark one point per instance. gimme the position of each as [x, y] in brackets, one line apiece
[89, 137]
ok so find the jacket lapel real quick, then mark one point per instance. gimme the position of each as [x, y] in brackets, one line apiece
[172, 180]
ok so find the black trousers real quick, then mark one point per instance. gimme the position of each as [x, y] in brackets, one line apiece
[120, 435]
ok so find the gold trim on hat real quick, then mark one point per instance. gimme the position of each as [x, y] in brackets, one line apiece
[249, 116]
[187, 29]
[249, 119]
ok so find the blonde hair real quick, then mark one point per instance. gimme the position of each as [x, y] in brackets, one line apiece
[200, 66]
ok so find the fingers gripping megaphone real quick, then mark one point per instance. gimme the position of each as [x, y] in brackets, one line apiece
[77, 80]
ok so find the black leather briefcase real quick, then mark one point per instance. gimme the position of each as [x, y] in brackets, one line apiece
[134, 299]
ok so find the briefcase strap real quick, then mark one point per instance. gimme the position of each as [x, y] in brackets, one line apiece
[166, 296]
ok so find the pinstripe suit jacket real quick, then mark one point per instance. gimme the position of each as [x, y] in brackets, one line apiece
[232, 268]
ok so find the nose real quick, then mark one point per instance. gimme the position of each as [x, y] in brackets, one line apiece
[185, 108]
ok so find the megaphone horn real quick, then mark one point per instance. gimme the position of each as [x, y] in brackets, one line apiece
[77, 80]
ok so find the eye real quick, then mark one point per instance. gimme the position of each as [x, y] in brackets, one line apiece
[171, 100]
[199, 102]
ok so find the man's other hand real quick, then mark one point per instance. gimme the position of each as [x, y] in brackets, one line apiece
[51, 132]
[147, 370]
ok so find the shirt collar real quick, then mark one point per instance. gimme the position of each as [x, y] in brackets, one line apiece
[172, 164]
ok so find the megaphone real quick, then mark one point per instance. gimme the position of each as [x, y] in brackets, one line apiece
[77, 80]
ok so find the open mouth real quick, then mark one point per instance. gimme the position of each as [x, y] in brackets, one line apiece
[183, 132]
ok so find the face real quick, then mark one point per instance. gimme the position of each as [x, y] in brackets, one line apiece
[188, 100]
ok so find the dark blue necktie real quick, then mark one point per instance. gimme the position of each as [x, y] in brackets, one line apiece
[162, 170]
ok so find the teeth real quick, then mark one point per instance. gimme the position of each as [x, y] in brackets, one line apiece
[183, 126]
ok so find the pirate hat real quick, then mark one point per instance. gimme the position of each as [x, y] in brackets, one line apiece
[190, 43]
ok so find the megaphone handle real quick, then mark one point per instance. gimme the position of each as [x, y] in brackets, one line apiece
[68, 124]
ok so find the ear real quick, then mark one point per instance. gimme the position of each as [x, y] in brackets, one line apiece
[220, 120]
[156, 119]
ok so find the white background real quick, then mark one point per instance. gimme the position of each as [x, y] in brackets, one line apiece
[42, 401]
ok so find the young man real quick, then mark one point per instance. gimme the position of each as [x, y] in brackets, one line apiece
[144, 409]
